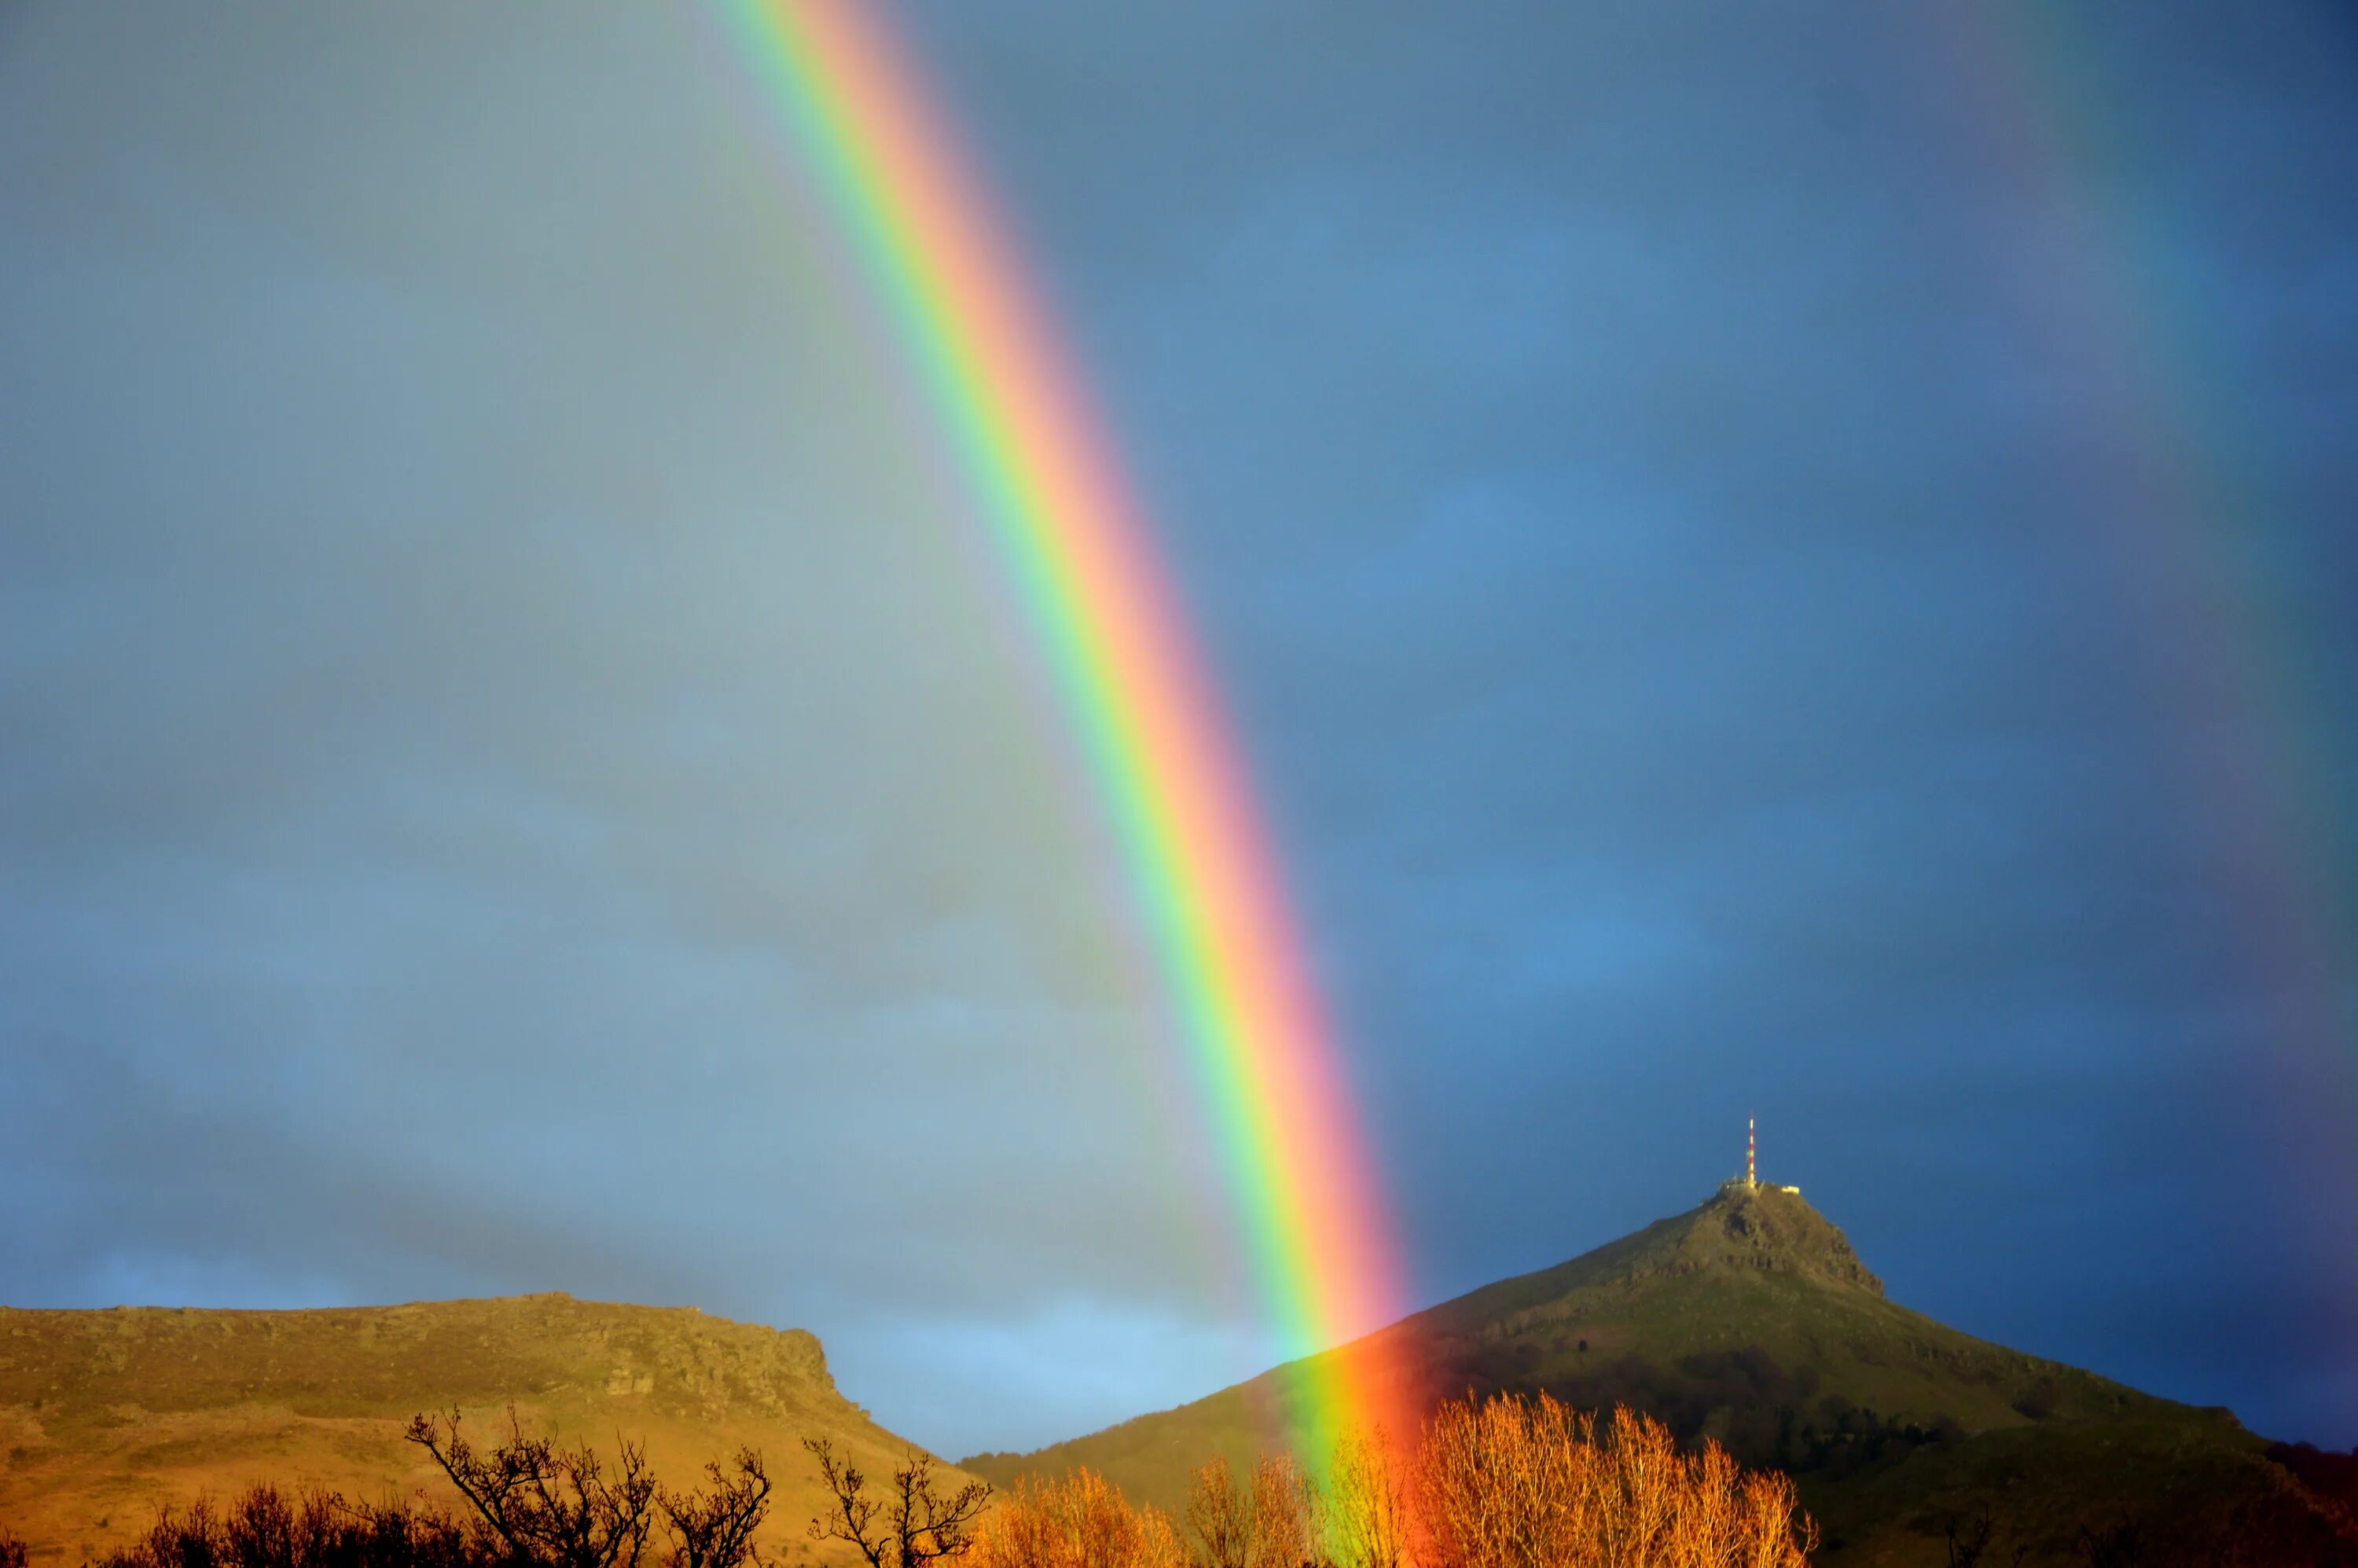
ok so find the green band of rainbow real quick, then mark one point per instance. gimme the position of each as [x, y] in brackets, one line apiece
[1318, 1230]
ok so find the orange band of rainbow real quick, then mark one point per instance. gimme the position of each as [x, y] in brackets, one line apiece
[1317, 1229]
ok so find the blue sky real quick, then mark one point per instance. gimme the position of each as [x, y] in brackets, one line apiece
[1793, 562]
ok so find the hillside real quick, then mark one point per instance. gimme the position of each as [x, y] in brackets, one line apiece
[1750, 1318]
[104, 1415]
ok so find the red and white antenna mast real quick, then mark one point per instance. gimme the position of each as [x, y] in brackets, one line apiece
[1751, 1156]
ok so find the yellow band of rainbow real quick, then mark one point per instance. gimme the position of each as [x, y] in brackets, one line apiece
[1316, 1228]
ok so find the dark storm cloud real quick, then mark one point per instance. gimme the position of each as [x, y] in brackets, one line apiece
[1671, 495]
[521, 773]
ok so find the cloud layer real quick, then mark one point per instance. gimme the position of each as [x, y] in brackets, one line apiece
[1787, 564]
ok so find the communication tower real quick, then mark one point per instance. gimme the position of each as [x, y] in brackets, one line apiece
[1751, 1181]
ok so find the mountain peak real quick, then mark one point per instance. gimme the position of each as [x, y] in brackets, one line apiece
[1769, 1227]
[1742, 1230]
[1750, 1319]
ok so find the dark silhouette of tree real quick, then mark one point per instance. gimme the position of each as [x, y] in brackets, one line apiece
[549, 1506]
[265, 1528]
[533, 1505]
[12, 1551]
[2117, 1545]
[1969, 1540]
[714, 1529]
[914, 1524]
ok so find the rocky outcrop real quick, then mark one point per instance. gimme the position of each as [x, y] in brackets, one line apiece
[106, 1415]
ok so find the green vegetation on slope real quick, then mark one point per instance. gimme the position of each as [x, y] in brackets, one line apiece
[1752, 1320]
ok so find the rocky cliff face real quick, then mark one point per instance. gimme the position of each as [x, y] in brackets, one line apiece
[106, 1415]
[361, 1361]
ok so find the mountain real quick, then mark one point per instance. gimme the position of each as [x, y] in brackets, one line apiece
[104, 1415]
[1751, 1319]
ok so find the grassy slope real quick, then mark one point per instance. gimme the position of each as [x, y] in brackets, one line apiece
[1723, 1320]
[104, 1415]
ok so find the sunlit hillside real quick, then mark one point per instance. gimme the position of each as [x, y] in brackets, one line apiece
[1750, 1319]
[106, 1415]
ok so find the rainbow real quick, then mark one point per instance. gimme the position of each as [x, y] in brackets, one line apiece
[2177, 505]
[1317, 1233]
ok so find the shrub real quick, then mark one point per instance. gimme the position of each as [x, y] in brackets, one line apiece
[1368, 1509]
[1080, 1521]
[531, 1505]
[266, 1528]
[1497, 1483]
[1269, 1521]
[1502, 1483]
[1516, 1484]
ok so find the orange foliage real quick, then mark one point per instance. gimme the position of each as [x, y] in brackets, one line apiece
[1270, 1522]
[1512, 1483]
[1080, 1521]
[1369, 1505]
[1504, 1484]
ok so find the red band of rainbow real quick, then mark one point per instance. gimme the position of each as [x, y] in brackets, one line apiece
[1316, 1228]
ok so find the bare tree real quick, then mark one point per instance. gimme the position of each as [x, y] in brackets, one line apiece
[715, 1529]
[1284, 1514]
[1969, 1540]
[2118, 1545]
[916, 1524]
[1219, 1513]
[1507, 1482]
[1366, 1507]
[1268, 1520]
[1080, 1521]
[550, 1507]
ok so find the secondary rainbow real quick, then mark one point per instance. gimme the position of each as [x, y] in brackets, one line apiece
[1081, 558]
[2178, 495]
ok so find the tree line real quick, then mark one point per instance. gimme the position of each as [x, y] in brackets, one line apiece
[1504, 1482]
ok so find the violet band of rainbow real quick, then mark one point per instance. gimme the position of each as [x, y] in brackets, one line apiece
[1316, 1226]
